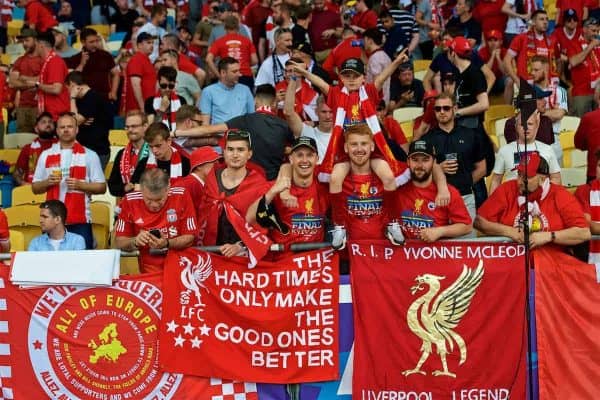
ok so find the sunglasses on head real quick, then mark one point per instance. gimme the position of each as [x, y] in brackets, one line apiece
[440, 108]
[169, 85]
[238, 134]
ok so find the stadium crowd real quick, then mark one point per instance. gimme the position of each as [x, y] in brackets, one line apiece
[229, 122]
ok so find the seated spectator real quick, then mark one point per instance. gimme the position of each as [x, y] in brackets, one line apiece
[405, 90]
[170, 41]
[25, 166]
[464, 22]
[554, 216]
[123, 19]
[163, 106]
[394, 135]
[189, 117]
[492, 55]
[55, 237]
[165, 156]
[156, 217]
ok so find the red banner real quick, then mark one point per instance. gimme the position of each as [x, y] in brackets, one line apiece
[276, 323]
[567, 302]
[65, 342]
[441, 321]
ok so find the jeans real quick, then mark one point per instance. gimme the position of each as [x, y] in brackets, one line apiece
[84, 230]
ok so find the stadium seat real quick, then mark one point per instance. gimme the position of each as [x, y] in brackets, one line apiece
[113, 152]
[101, 223]
[117, 36]
[17, 240]
[14, 28]
[420, 75]
[567, 140]
[421, 65]
[578, 158]
[25, 219]
[23, 195]
[497, 112]
[568, 123]
[408, 129]
[15, 49]
[573, 177]
[130, 266]
[18, 14]
[5, 118]
[103, 30]
[407, 114]
[109, 200]
[498, 127]
[6, 59]
[108, 169]
[18, 140]
[10, 155]
[118, 137]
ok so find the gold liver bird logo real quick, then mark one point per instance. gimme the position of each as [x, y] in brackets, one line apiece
[418, 205]
[308, 206]
[434, 324]
[364, 189]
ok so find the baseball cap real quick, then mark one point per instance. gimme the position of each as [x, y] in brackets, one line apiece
[535, 165]
[541, 93]
[407, 66]
[590, 21]
[493, 34]
[570, 13]
[61, 29]
[421, 147]
[461, 46]
[306, 142]
[354, 65]
[203, 155]
[142, 37]
[27, 32]
[304, 47]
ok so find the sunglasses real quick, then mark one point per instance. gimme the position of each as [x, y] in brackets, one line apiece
[238, 134]
[440, 108]
[169, 85]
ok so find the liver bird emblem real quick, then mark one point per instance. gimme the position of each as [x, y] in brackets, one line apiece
[308, 205]
[434, 323]
[192, 275]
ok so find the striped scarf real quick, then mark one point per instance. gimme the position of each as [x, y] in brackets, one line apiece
[130, 160]
[168, 117]
[74, 199]
[594, 256]
[176, 170]
[366, 112]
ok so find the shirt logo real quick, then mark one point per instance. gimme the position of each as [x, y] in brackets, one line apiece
[139, 221]
[171, 215]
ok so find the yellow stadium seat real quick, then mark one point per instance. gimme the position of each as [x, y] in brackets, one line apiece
[108, 169]
[14, 28]
[103, 30]
[496, 112]
[5, 118]
[101, 223]
[17, 240]
[118, 137]
[130, 266]
[6, 59]
[567, 140]
[18, 140]
[408, 129]
[407, 114]
[25, 219]
[494, 140]
[10, 155]
[499, 125]
[573, 177]
[421, 65]
[568, 123]
[22, 195]
[109, 200]
[76, 45]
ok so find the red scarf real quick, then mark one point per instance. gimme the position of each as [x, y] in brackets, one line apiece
[130, 159]
[74, 200]
[594, 256]
[336, 144]
[176, 170]
[169, 116]
[305, 99]
[36, 149]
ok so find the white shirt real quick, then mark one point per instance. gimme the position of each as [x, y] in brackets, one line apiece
[265, 72]
[508, 156]
[322, 139]
[157, 31]
[514, 25]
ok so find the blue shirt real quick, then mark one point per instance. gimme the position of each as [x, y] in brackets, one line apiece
[224, 103]
[71, 241]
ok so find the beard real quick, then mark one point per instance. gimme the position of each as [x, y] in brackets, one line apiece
[422, 178]
[46, 135]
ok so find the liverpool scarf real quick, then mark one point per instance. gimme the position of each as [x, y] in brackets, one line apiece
[74, 199]
[130, 159]
[176, 169]
[35, 149]
[336, 144]
[594, 256]
[168, 117]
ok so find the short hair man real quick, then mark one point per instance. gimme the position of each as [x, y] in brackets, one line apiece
[406, 90]
[25, 166]
[71, 173]
[163, 105]
[140, 75]
[189, 117]
[415, 208]
[465, 22]
[55, 237]
[170, 41]
[156, 217]
[272, 69]
[187, 86]
[52, 92]
[166, 157]
[61, 44]
[154, 28]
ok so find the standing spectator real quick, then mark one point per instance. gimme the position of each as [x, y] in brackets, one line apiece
[488, 13]
[55, 236]
[272, 69]
[25, 165]
[96, 65]
[130, 162]
[140, 75]
[52, 92]
[154, 28]
[92, 113]
[378, 59]
[430, 21]
[61, 44]
[38, 16]
[282, 19]
[579, 6]
[187, 85]
[166, 157]
[256, 13]
[465, 22]
[492, 55]
[568, 34]
[587, 138]
[305, 99]
[584, 61]
[204, 27]
[364, 18]
[300, 30]
[236, 46]
[162, 106]
[22, 77]
[225, 10]
[226, 98]
[123, 19]
[69, 172]
[156, 217]
[170, 41]
[519, 13]
[396, 37]
[407, 23]
[342, 52]
[324, 29]
[202, 161]
[406, 90]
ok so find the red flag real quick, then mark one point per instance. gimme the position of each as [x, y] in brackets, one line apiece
[276, 323]
[439, 321]
[256, 241]
[567, 295]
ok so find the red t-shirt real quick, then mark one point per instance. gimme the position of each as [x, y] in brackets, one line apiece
[563, 42]
[587, 72]
[394, 130]
[28, 65]
[176, 218]
[307, 221]
[341, 53]
[39, 15]
[305, 96]
[415, 208]
[490, 16]
[582, 194]
[185, 64]
[485, 55]
[195, 188]
[587, 138]
[139, 65]
[320, 22]
[526, 45]
[29, 156]
[365, 216]
[558, 210]
[55, 71]
[334, 96]
[366, 19]
[576, 5]
[236, 46]
[255, 16]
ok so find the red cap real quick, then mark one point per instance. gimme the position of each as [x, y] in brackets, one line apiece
[533, 163]
[430, 94]
[494, 33]
[461, 46]
[203, 155]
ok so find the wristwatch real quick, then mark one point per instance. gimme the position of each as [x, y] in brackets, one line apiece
[553, 236]
[457, 115]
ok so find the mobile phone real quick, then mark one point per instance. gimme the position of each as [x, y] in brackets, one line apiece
[155, 233]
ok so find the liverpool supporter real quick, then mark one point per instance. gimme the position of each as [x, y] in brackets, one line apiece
[131, 161]
[69, 172]
[156, 217]
[22, 77]
[364, 18]
[394, 135]
[166, 157]
[305, 99]
[303, 15]
[92, 112]
[237, 46]
[555, 217]
[202, 161]
[163, 105]
[4, 233]
[464, 21]
[225, 10]
[154, 29]
[584, 61]
[25, 166]
[52, 92]
[186, 85]
[378, 59]
[568, 34]
[492, 55]
[272, 69]
[344, 50]
[407, 28]
[229, 191]
[306, 221]
[304, 52]
[406, 90]
[587, 138]
[579, 7]
[281, 19]
[509, 155]
[587, 195]
[254, 15]
[140, 75]
[415, 207]
[519, 15]
[324, 29]
[38, 16]
[170, 41]
[96, 65]
[189, 117]
[61, 42]
[55, 236]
